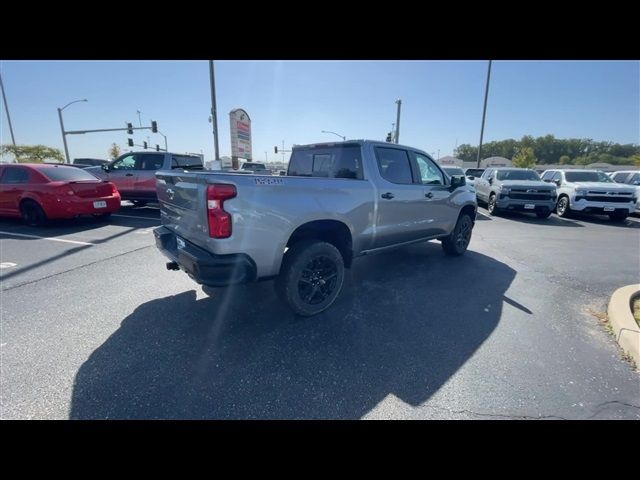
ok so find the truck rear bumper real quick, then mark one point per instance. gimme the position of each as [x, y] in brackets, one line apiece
[204, 267]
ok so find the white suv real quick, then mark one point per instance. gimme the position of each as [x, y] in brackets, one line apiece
[591, 191]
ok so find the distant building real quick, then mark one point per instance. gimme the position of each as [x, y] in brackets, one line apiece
[450, 161]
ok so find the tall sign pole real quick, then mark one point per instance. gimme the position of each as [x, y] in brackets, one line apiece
[484, 113]
[6, 108]
[214, 111]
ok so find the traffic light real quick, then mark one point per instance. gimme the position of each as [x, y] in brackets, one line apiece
[157, 147]
[154, 127]
[275, 149]
[144, 144]
[389, 137]
[130, 128]
[130, 141]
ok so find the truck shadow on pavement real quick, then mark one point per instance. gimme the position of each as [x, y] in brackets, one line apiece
[405, 323]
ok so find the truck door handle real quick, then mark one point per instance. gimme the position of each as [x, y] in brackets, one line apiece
[428, 194]
[128, 174]
[388, 195]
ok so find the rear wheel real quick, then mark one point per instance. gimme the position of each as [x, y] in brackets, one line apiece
[562, 208]
[618, 217]
[33, 214]
[311, 277]
[458, 241]
[544, 214]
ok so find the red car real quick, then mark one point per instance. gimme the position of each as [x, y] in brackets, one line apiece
[39, 192]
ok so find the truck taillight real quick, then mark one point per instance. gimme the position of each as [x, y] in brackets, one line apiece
[219, 220]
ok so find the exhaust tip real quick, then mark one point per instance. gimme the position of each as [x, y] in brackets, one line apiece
[173, 266]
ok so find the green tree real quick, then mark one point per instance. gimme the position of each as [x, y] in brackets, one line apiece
[565, 160]
[525, 158]
[114, 151]
[32, 153]
[466, 152]
[636, 159]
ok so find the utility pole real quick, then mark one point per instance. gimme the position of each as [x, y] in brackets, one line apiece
[484, 112]
[399, 102]
[139, 118]
[214, 111]
[6, 108]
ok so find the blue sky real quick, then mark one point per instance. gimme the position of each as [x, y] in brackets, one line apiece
[294, 100]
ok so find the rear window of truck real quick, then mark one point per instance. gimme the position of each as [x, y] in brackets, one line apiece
[340, 161]
[186, 162]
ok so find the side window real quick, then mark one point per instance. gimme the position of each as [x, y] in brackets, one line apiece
[125, 163]
[487, 173]
[429, 173]
[151, 162]
[394, 165]
[620, 177]
[547, 175]
[15, 175]
[556, 176]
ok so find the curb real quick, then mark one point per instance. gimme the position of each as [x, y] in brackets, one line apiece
[624, 326]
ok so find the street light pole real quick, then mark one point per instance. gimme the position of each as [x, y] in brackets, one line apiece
[139, 118]
[399, 102]
[166, 149]
[214, 111]
[344, 139]
[6, 108]
[484, 112]
[64, 135]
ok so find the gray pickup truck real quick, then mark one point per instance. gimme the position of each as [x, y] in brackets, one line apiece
[338, 201]
[515, 189]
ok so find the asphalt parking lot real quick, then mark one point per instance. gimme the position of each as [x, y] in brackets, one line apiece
[93, 326]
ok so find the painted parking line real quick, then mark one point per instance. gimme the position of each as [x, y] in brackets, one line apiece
[134, 216]
[7, 265]
[53, 239]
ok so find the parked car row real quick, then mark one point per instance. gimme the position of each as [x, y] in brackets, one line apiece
[41, 192]
[557, 190]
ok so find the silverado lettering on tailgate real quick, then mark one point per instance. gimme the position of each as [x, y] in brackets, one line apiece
[269, 181]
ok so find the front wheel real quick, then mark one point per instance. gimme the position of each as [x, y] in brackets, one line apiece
[311, 277]
[458, 241]
[562, 208]
[491, 206]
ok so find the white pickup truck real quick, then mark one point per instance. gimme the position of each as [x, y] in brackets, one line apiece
[338, 201]
[591, 191]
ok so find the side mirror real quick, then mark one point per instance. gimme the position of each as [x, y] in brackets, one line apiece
[491, 181]
[105, 167]
[557, 182]
[471, 177]
[458, 181]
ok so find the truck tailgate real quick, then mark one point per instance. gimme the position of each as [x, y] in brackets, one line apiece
[182, 207]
